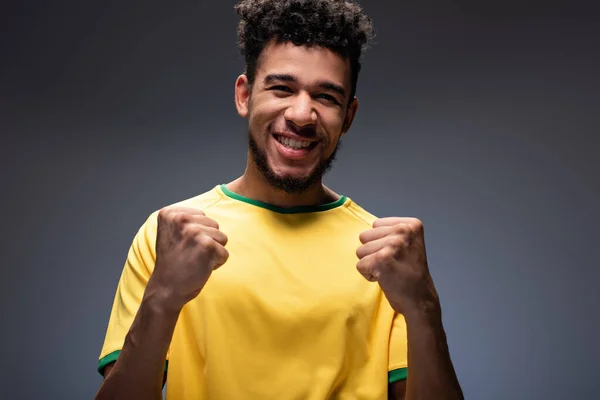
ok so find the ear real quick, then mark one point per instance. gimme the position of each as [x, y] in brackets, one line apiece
[350, 114]
[242, 95]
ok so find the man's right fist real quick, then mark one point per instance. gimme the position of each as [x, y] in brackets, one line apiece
[189, 246]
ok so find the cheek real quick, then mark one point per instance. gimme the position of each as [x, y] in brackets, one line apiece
[263, 110]
[332, 125]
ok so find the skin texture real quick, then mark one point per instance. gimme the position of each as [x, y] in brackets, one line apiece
[301, 107]
[302, 93]
[397, 390]
[189, 246]
[393, 255]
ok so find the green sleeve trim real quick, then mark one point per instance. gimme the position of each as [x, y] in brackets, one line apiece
[109, 358]
[112, 357]
[397, 375]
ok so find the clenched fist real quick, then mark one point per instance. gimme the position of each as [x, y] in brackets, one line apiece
[393, 254]
[189, 246]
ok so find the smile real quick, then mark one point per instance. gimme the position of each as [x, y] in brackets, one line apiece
[295, 144]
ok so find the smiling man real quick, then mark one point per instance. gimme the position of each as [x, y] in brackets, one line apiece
[273, 286]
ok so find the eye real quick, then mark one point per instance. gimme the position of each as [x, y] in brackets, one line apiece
[328, 97]
[281, 88]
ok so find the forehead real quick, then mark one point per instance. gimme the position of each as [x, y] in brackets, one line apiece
[309, 64]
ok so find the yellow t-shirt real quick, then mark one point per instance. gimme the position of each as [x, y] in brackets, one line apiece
[288, 316]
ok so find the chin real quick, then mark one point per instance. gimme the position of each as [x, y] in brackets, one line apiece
[284, 175]
[292, 182]
[286, 172]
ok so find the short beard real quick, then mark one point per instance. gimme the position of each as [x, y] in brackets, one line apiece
[288, 184]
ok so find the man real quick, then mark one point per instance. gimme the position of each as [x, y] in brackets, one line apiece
[273, 286]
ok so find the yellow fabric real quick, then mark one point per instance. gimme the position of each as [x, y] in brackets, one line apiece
[287, 317]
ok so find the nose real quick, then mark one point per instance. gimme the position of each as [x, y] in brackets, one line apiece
[301, 111]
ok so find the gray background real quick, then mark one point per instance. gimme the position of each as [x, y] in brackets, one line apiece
[482, 120]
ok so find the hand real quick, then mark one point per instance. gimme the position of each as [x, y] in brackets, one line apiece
[393, 254]
[189, 246]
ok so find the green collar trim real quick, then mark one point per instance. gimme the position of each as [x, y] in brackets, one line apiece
[283, 210]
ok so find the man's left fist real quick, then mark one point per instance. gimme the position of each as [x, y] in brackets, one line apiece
[393, 254]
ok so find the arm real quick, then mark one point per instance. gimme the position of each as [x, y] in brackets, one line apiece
[189, 246]
[432, 373]
[431, 368]
[138, 372]
[110, 366]
[397, 390]
[393, 254]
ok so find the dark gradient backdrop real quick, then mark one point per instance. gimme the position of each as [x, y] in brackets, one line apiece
[480, 119]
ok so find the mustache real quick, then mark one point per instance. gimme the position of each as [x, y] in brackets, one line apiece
[304, 131]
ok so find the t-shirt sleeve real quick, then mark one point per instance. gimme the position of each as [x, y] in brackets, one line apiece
[136, 272]
[398, 357]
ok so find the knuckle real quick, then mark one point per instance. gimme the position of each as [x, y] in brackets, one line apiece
[398, 242]
[180, 218]
[225, 239]
[416, 224]
[362, 237]
[204, 241]
[385, 255]
[190, 231]
[363, 268]
[379, 256]
[209, 223]
[224, 255]
[164, 213]
[360, 251]
[401, 229]
[212, 222]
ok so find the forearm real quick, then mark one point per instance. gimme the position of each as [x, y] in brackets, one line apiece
[138, 372]
[431, 374]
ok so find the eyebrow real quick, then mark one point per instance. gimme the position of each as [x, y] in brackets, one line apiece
[290, 78]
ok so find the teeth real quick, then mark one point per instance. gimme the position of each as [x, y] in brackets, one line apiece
[291, 143]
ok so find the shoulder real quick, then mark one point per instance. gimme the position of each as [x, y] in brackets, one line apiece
[360, 213]
[201, 201]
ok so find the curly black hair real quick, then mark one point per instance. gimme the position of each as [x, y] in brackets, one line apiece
[339, 25]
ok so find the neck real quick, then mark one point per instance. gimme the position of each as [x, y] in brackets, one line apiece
[252, 184]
